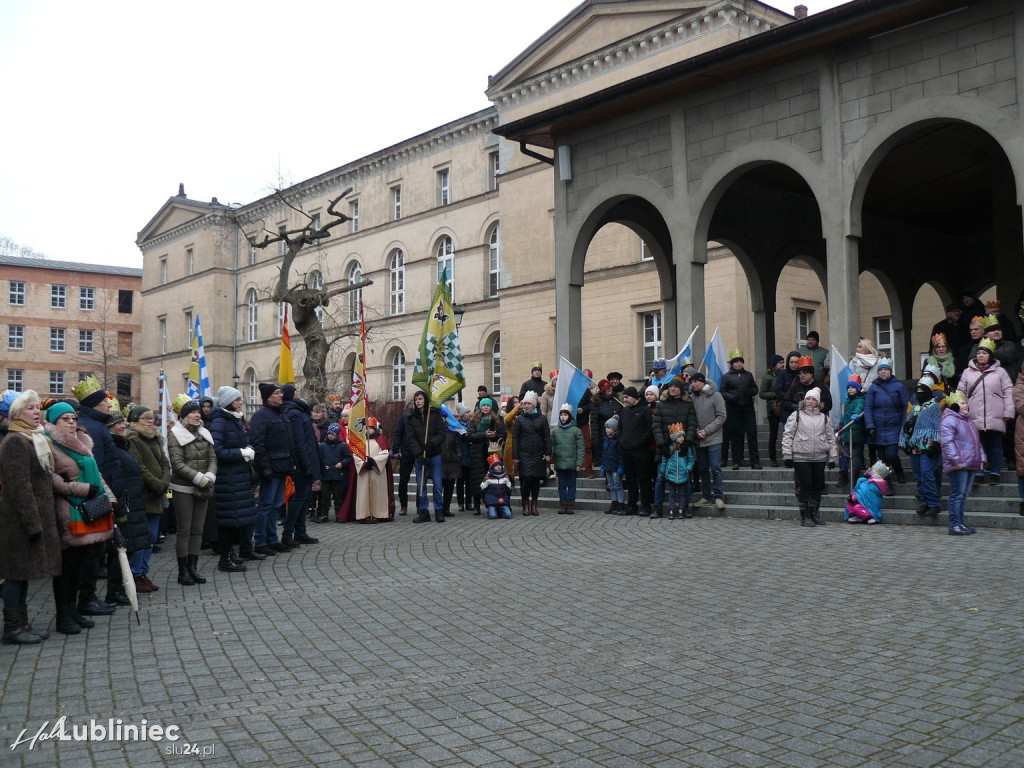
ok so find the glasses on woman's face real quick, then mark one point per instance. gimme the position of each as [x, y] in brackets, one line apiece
[68, 418]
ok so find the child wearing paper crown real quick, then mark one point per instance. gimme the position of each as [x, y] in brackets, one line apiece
[496, 490]
[567, 454]
[676, 469]
[853, 437]
[864, 505]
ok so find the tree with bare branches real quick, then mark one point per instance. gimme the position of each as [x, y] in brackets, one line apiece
[303, 298]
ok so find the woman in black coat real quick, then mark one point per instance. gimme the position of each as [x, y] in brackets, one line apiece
[235, 509]
[531, 451]
[130, 512]
[486, 426]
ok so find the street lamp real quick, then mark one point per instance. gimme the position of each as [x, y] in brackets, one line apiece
[459, 312]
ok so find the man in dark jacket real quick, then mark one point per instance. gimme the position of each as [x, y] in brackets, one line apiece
[93, 416]
[535, 383]
[424, 438]
[802, 384]
[739, 390]
[603, 406]
[307, 466]
[635, 438]
[270, 438]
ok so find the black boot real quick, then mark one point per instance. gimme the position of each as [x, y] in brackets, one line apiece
[66, 623]
[805, 516]
[422, 516]
[438, 515]
[228, 565]
[614, 506]
[184, 575]
[80, 620]
[193, 571]
[815, 510]
[117, 596]
[15, 633]
[41, 633]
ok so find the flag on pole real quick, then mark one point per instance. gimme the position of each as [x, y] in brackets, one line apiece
[572, 385]
[285, 370]
[675, 364]
[438, 371]
[357, 403]
[198, 376]
[162, 393]
[840, 373]
[714, 359]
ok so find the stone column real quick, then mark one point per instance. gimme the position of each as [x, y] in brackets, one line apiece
[843, 289]
[689, 307]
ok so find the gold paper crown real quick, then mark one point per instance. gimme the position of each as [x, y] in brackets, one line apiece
[987, 344]
[939, 338]
[676, 429]
[86, 387]
[993, 306]
[114, 404]
[179, 401]
[988, 321]
[953, 398]
[735, 354]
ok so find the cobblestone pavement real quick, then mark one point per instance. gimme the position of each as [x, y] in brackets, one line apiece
[556, 641]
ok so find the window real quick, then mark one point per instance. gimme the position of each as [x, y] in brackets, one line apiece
[57, 382]
[124, 387]
[16, 294]
[355, 275]
[253, 383]
[253, 255]
[496, 364]
[125, 302]
[85, 341]
[58, 339]
[16, 379]
[353, 216]
[446, 260]
[188, 329]
[124, 343]
[87, 299]
[444, 187]
[645, 252]
[494, 263]
[883, 332]
[280, 318]
[252, 327]
[282, 245]
[398, 375]
[190, 261]
[493, 171]
[804, 325]
[163, 334]
[316, 282]
[652, 338]
[15, 337]
[397, 274]
[58, 296]
[315, 225]
[163, 270]
[396, 202]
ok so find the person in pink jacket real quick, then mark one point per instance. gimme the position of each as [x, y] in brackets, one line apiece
[987, 388]
[963, 457]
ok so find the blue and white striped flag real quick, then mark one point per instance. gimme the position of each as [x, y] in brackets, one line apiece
[198, 376]
[572, 385]
[714, 359]
[840, 373]
[675, 364]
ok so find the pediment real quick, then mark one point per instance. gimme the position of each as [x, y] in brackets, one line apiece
[176, 212]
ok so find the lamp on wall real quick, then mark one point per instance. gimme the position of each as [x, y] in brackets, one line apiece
[459, 312]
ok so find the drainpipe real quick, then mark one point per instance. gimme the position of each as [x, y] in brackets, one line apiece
[234, 323]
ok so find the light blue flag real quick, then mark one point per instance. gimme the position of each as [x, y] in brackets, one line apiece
[714, 359]
[572, 385]
[840, 373]
[685, 357]
[452, 421]
[198, 376]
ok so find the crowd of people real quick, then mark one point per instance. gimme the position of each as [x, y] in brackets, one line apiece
[77, 470]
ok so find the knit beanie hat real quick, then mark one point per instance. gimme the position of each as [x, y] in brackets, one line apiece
[631, 391]
[187, 408]
[58, 409]
[854, 381]
[227, 395]
[21, 403]
[813, 392]
[653, 388]
[690, 371]
[288, 392]
[775, 360]
[115, 417]
[138, 412]
[334, 429]
[266, 390]
[677, 381]
[612, 423]
[698, 376]
[6, 399]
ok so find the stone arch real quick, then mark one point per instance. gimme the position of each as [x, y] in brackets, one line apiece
[391, 247]
[492, 220]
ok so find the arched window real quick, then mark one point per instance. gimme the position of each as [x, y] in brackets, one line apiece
[253, 383]
[446, 260]
[493, 263]
[355, 275]
[252, 323]
[316, 282]
[496, 364]
[397, 272]
[398, 375]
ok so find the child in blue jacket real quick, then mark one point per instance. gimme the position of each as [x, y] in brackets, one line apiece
[335, 458]
[676, 469]
[496, 491]
[611, 465]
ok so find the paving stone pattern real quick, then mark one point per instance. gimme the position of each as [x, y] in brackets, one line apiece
[578, 641]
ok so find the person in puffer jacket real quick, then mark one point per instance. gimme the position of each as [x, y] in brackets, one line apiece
[235, 508]
[130, 513]
[496, 491]
[963, 457]
[611, 465]
[989, 392]
[567, 454]
[864, 504]
[676, 469]
[808, 446]
[885, 409]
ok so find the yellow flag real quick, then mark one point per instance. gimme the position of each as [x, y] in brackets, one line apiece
[285, 371]
[358, 412]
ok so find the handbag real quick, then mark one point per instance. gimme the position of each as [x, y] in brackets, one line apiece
[93, 509]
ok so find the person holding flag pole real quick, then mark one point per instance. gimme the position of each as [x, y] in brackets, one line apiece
[439, 375]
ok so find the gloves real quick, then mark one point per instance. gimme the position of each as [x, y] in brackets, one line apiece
[201, 480]
[871, 436]
[65, 477]
[620, 471]
[788, 463]
[35, 537]
[213, 477]
[831, 465]
[248, 453]
[94, 491]
[602, 471]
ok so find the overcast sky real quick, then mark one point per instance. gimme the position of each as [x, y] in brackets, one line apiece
[108, 106]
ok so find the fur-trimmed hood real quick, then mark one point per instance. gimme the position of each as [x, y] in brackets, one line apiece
[184, 436]
[80, 443]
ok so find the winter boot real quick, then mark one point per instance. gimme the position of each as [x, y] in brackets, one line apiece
[570, 508]
[561, 507]
[184, 575]
[805, 515]
[228, 565]
[66, 623]
[235, 556]
[438, 515]
[42, 633]
[422, 516]
[15, 633]
[526, 508]
[658, 512]
[193, 571]
[614, 507]
[80, 620]
[645, 511]
[814, 507]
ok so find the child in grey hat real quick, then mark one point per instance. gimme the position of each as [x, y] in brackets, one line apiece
[611, 465]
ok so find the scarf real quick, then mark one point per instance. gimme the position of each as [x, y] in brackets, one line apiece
[88, 472]
[38, 437]
[945, 362]
[926, 428]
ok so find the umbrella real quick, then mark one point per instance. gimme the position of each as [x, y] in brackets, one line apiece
[127, 578]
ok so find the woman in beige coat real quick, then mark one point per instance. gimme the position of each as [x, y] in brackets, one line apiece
[193, 473]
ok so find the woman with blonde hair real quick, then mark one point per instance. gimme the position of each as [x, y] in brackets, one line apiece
[865, 362]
